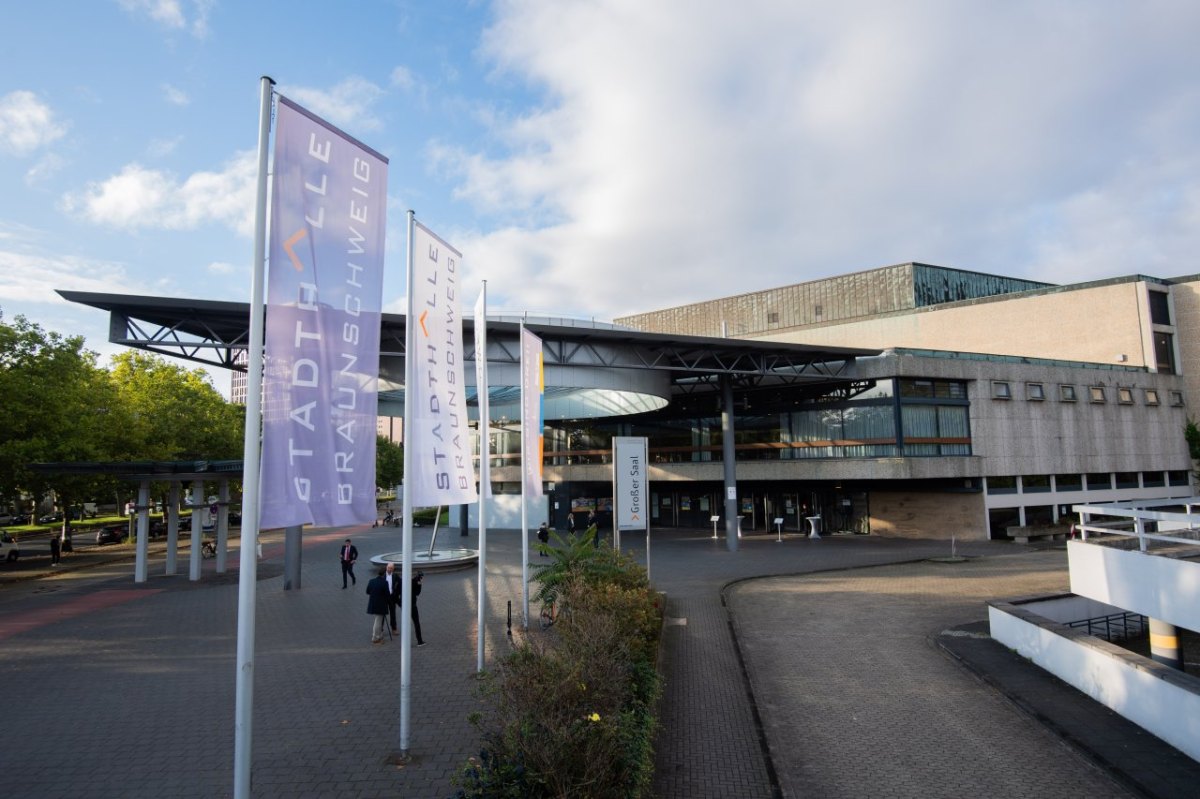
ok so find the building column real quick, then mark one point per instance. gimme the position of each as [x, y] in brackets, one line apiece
[222, 525]
[1164, 644]
[729, 457]
[197, 529]
[291, 557]
[141, 565]
[172, 527]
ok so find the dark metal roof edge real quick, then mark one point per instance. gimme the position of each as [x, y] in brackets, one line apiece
[124, 303]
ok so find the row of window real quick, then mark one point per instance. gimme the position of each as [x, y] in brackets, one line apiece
[1036, 392]
[1043, 483]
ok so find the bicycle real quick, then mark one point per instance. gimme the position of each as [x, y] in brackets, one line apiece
[208, 550]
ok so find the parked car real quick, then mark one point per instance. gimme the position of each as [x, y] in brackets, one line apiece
[112, 534]
[20, 518]
[51, 518]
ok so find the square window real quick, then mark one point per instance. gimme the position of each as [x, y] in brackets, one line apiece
[1035, 391]
[1067, 393]
[1001, 390]
[1096, 393]
[1151, 397]
[1176, 399]
[1125, 396]
[773, 318]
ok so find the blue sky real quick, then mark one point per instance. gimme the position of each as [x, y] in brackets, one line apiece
[600, 158]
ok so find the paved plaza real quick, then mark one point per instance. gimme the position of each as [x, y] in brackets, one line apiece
[826, 680]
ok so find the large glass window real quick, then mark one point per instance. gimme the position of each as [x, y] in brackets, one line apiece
[1000, 519]
[1039, 514]
[1160, 308]
[1098, 481]
[1164, 352]
[1152, 479]
[1068, 482]
[1002, 485]
[1035, 483]
[1127, 480]
[1178, 478]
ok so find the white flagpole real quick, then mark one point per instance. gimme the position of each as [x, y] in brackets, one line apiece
[410, 378]
[251, 457]
[485, 480]
[525, 460]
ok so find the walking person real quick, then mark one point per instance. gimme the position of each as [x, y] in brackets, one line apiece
[393, 581]
[377, 605]
[347, 556]
[543, 535]
[55, 549]
[571, 523]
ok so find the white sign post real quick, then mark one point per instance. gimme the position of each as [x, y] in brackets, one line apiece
[630, 484]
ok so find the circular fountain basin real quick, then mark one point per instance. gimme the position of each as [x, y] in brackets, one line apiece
[441, 559]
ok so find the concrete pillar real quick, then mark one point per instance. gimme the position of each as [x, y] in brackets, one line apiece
[141, 564]
[1164, 644]
[172, 527]
[729, 456]
[291, 558]
[222, 525]
[197, 529]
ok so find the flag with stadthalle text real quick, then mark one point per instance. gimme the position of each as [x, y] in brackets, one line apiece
[321, 341]
[481, 394]
[533, 387]
[435, 408]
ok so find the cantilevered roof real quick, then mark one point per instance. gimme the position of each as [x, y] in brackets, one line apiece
[216, 333]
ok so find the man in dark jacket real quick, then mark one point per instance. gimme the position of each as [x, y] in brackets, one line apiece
[377, 605]
[393, 581]
[347, 555]
[412, 605]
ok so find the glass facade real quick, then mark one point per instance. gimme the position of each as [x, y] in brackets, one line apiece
[902, 418]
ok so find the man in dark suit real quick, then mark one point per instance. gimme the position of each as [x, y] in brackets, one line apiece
[393, 581]
[347, 556]
[414, 614]
[377, 605]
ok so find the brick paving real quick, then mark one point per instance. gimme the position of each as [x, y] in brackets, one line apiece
[137, 698]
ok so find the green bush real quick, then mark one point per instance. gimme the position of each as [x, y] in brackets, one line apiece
[571, 712]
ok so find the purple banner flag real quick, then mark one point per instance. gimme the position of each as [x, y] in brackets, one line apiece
[324, 298]
[533, 419]
[435, 407]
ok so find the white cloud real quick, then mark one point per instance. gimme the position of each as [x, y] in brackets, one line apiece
[32, 277]
[402, 78]
[46, 167]
[222, 268]
[138, 197]
[175, 96]
[165, 12]
[683, 151]
[27, 123]
[172, 15]
[158, 148]
[349, 104]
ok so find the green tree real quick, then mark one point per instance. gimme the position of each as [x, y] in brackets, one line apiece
[173, 413]
[389, 462]
[56, 407]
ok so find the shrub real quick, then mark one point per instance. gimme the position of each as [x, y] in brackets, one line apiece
[571, 713]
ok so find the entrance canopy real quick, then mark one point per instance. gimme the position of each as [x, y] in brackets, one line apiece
[593, 370]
